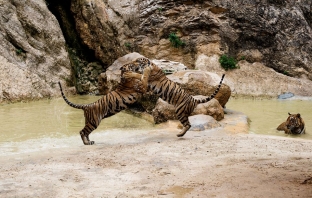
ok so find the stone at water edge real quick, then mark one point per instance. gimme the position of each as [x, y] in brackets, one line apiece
[286, 95]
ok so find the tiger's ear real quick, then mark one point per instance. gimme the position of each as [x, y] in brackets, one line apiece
[298, 115]
[289, 113]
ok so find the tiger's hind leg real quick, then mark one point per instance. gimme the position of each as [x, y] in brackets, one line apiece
[186, 124]
[184, 130]
[84, 133]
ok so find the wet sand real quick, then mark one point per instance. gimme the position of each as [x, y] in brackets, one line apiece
[221, 162]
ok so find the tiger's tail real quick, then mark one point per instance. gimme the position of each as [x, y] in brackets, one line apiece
[214, 93]
[68, 102]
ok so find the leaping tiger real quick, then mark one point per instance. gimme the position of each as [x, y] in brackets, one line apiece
[154, 79]
[127, 92]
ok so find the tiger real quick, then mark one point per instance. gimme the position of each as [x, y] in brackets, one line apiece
[154, 79]
[126, 93]
[293, 125]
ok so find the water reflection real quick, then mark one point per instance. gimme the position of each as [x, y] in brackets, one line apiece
[265, 115]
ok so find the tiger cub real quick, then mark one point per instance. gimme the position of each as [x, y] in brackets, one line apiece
[127, 92]
[155, 80]
[293, 125]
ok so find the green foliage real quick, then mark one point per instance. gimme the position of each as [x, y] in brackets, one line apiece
[160, 9]
[175, 41]
[19, 51]
[228, 62]
[285, 72]
[128, 45]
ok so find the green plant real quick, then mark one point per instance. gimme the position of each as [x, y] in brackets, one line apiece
[228, 62]
[19, 51]
[128, 45]
[160, 9]
[285, 72]
[175, 41]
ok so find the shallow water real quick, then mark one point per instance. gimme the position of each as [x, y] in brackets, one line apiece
[54, 118]
[39, 125]
[265, 115]
[52, 123]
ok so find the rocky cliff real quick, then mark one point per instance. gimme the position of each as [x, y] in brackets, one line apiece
[42, 40]
[33, 57]
[274, 33]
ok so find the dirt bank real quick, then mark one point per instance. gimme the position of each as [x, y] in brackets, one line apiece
[197, 166]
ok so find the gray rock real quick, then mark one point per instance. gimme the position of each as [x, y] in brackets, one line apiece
[286, 95]
[33, 56]
[203, 122]
[169, 67]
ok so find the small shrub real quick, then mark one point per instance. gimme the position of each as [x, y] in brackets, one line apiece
[228, 62]
[128, 45]
[19, 51]
[285, 72]
[175, 40]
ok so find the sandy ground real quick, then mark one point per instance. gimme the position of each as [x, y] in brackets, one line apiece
[212, 163]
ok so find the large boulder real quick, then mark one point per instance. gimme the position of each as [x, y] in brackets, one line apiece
[33, 52]
[197, 82]
[203, 122]
[164, 111]
[112, 74]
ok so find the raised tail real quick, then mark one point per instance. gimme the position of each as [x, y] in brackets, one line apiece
[68, 102]
[214, 93]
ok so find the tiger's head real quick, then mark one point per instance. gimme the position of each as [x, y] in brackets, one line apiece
[127, 67]
[141, 63]
[138, 65]
[295, 124]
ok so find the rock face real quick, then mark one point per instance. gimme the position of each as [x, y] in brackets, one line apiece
[96, 30]
[197, 82]
[255, 79]
[273, 34]
[276, 33]
[33, 55]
